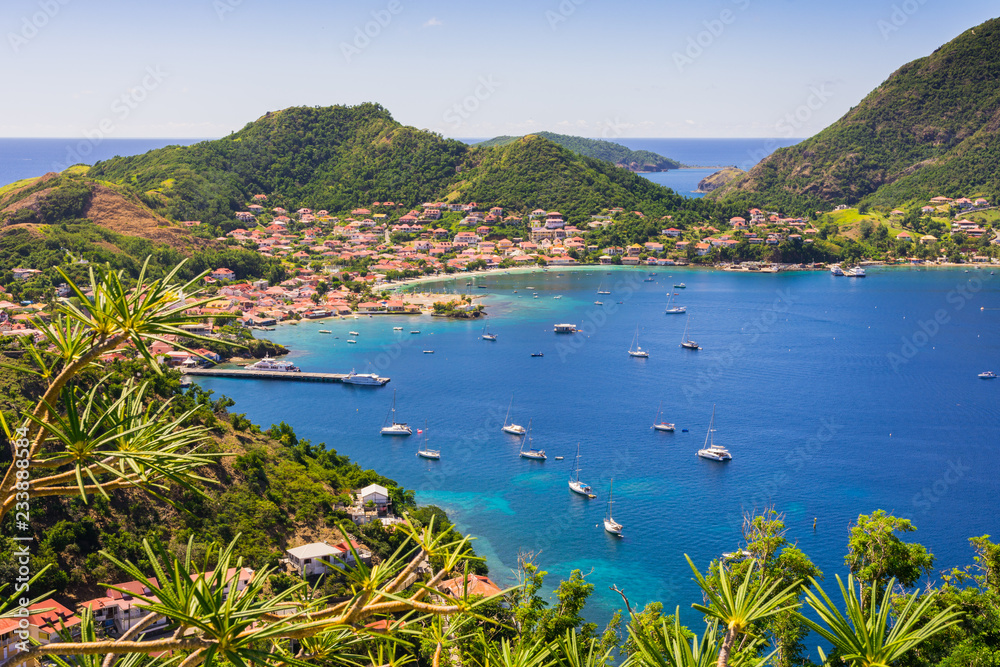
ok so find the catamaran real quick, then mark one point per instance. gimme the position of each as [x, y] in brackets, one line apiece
[661, 425]
[394, 427]
[486, 332]
[687, 342]
[712, 450]
[508, 426]
[610, 524]
[575, 484]
[531, 452]
[676, 310]
[426, 453]
[635, 350]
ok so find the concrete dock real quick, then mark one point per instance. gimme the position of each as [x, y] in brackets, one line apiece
[274, 375]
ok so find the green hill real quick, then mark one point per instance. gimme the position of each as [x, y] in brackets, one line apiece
[932, 128]
[533, 172]
[337, 158]
[599, 149]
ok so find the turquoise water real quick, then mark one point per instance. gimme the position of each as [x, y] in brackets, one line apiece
[830, 393]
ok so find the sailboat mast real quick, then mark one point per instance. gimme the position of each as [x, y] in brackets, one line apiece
[711, 428]
[507, 418]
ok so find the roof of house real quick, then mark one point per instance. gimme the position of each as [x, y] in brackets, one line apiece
[314, 550]
[374, 488]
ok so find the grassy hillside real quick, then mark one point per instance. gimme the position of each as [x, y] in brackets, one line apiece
[931, 128]
[598, 149]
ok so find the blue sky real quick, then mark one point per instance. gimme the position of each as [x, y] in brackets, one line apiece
[204, 68]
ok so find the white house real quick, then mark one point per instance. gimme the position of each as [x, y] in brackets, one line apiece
[309, 559]
[375, 493]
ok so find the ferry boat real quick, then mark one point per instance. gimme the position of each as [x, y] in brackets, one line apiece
[390, 426]
[269, 364]
[531, 452]
[855, 272]
[565, 328]
[836, 270]
[987, 375]
[369, 379]
[712, 450]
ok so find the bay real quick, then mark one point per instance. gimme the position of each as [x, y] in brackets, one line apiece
[836, 397]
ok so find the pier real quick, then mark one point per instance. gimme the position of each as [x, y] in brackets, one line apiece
[276, 375]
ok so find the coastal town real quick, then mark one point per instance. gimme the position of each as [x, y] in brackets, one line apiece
[355, 264]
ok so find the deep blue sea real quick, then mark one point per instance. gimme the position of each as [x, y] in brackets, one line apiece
[836, 397]
[25, 158]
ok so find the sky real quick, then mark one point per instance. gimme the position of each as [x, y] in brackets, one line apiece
[666, 68]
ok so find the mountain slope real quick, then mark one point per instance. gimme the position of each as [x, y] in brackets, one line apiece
[930, 128]
[533, 172]
[337, 158]
[600, 150]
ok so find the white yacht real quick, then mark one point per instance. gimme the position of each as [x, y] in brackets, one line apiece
[675, 310]
[661, 425]
[712, 450]
[635, 350]
[610, 524]
[987, 375]
[269, 364]
[363, 378]
[392, 427]
[575, 484]
[427, 453]
[855, 272]
[509, 426]
[836, 270]
[531, 452]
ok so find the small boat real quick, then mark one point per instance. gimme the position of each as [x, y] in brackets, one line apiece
[712, 450]
[415, 331]
[397, 328]
[487, 335]
[661, 425]
[354, 333]
[610, 524]
[531, 452]
[687, 342]
[987, 375]
[558, 296]
[529, 287]
[351, 340]
[325, 331]
[538, 354]
[648, 280]
[675, 310]
[428, 351]
[575, 485]
[508, 426]
[427, 453]
[390, 426]
[680, 286]
[635, 350]
[598, 303]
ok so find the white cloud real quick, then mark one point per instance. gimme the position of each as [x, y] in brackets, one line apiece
[433, 22]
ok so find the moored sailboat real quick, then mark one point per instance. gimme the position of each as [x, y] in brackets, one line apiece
[610, 525]
[531, 452]
[394, 427]
[509, 426]
[661, 425]
[427, 453]
[575, 484]
[635, 350]
[687, 342]
[710, 449]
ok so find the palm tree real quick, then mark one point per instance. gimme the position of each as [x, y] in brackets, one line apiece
[740, 609]
[865, 638]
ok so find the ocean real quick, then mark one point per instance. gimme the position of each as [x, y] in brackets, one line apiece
[26, 158]
[836, 397]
